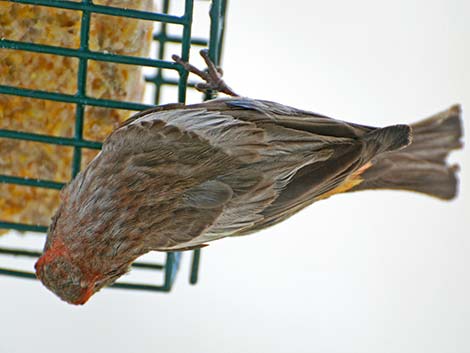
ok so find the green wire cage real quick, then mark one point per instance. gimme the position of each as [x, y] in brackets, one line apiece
[164, 42]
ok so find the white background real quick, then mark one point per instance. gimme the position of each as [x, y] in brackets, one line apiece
[365, 272]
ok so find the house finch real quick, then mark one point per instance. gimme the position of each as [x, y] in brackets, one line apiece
[178, 176]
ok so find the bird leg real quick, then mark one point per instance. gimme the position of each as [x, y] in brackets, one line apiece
[212, 76]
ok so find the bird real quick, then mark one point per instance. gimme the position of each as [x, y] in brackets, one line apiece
[176, 177]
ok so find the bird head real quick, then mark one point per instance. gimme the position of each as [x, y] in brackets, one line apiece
[58, 272]
[82, 254]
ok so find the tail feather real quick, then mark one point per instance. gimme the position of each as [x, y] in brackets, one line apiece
[421, 166]
[434, 138]
[387, 139]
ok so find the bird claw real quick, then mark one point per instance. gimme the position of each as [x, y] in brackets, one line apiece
[213, 75]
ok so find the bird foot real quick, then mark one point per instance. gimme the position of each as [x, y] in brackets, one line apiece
[212, 76]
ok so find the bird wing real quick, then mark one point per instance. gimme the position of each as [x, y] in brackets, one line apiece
[180, 165]
[310, 154]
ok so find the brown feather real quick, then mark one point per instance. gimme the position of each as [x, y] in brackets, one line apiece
[176, 177]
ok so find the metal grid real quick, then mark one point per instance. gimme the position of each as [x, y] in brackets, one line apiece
[81, 100]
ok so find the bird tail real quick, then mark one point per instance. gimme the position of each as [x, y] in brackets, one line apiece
[421, 166]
